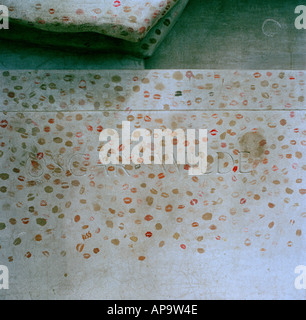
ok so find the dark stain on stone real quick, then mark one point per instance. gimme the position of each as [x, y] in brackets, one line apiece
[254, 143]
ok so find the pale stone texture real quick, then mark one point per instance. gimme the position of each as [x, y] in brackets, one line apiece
[126, 19]
[76, 229]
[98, 42]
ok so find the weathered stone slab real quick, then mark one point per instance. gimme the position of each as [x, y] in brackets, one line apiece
[152, 89]
[78, 229]
[130, 20]
[103, 43]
